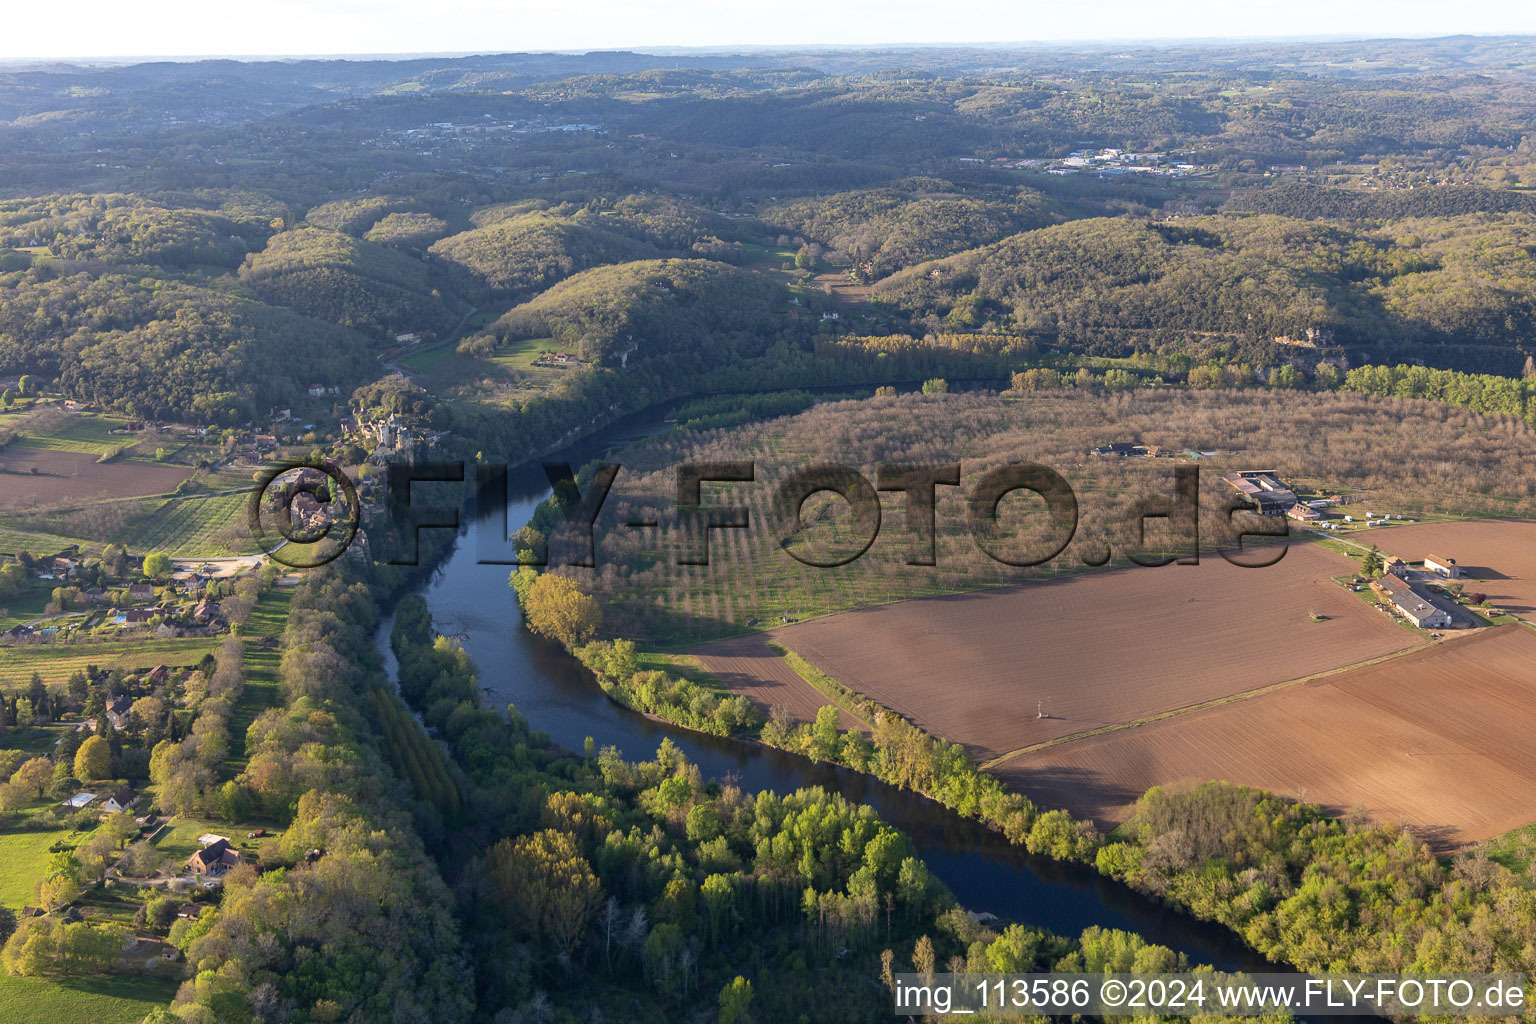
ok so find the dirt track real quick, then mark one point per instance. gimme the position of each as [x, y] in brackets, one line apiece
[1438, 739]
[1099, 649]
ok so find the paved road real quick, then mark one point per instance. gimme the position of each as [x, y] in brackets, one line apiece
[453, 338]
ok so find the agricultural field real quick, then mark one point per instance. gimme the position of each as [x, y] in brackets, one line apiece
[429, 359]
[747, 666]
[32, 478]
[57, 662]
[206, 526]
[88, 433]
[32, 603]
[514, 372]
[260, 666]
[1438, 739]
[24, 855]
[24, 858]
[529, 357]
[1091, 651]
[13, 541]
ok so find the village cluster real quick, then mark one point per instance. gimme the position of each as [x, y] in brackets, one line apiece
[178, 606]
[1106, 163]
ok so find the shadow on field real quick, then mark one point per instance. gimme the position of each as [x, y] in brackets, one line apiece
[1085, 793]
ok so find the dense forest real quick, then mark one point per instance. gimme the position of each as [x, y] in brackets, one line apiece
[1321, 203]
[517, 250]
[1454, 292]
[525, 253]
[166, 349]
[349, 281]
[679, 312]
[176, 231]
[884, 230]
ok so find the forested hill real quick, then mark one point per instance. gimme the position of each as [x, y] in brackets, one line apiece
[677, 312]
[1321, 203]
[171, 230]
[518, 257]
[205, 240]
[518, 249]
[167, 350]
[1456, 292]
[883, 230]
[348, 281]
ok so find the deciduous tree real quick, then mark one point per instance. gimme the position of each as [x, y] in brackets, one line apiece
[559, 609]
[94, 759]
[735, 1001]
[35, 775]
[547, 887]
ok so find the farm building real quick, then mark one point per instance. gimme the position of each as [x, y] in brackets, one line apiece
[1264, 489]
[1442, 566]
[1414, 607]
[1127, 450]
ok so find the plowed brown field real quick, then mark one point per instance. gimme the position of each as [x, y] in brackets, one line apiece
[1498, 556]
[73, 477]
[1439, 739]
[1099, 649]
[748, 666]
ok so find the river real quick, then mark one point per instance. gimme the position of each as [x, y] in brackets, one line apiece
[474, 603]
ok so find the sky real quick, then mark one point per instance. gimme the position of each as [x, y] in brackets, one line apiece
[182, 28]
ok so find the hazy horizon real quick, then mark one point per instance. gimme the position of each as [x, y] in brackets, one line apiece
[726, 49]
[392, 29]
